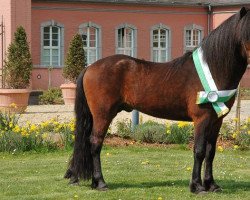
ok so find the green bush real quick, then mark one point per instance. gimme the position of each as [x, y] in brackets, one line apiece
[18, 65]
[124, 129]
[150, 132]
[51, 96]
[75, 60]
[8, 120]
[153, 132]
[227, 130]
[245, 93]
[242, 138]
[179, 133]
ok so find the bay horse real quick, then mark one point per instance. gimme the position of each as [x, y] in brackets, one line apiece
[163, 90]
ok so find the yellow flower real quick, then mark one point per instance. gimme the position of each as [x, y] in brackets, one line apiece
[160, 198]
[248, 120]
[236, 147]
[13, 105]
[55, 123]
[11, 124]
[168, 131]
[220, 148]
[244, 127]
[248, 132]
[236, 119]
[33, 127]
[189, 168]
[60, 126]
[45, 124]
[234, 135]
[45, 135]
[24, 132]
[28, 123]
[72, 127]
[182, 124]
[145, 162]
[16, 129]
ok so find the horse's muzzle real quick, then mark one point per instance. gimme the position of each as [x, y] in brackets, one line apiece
[247, 48]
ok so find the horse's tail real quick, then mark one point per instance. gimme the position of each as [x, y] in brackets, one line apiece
[81, 165]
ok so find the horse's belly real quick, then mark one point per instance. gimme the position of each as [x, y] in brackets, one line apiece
[171, 113]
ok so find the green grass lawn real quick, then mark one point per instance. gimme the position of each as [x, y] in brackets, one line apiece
[133, 172]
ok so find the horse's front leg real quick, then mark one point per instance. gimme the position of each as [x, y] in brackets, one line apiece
[201, 130]
[208, 181]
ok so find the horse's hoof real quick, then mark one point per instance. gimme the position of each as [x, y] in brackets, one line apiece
[215, 188]
[197, 188]
[201, 192]
[74, 181]
[99, 186]
[212, 187]
[102, 188]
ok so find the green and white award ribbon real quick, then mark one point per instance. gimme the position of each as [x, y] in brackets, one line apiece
[211, 93]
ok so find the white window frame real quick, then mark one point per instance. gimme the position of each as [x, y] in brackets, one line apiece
[192, 28]
[125, 48]
[160, 27]
[60, 46]
[97, 47]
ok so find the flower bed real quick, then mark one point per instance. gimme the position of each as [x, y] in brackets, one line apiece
[46, 136]
[53, 135]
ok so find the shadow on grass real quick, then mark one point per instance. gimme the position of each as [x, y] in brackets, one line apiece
[151, 184]
[228, 186]
[232, 186]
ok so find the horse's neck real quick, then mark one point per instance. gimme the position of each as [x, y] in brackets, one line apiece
[229, 78]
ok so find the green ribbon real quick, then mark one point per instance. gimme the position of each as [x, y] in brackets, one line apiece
[211, 93]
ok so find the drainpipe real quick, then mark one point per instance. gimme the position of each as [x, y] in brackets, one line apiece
[209, 16]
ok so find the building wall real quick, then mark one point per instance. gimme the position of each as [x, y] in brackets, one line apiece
[43, 78]
[5, 10]
[14, 13]
[109, 16]
[220, 14]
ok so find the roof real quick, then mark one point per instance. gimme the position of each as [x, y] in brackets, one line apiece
[162, 2]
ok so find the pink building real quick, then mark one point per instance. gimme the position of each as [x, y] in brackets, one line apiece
[152, 30]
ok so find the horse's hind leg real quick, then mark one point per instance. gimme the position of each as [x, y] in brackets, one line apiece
[208, 181]
[100, 127]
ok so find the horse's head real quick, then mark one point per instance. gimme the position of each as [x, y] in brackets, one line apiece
[247, 51]
[244, 32]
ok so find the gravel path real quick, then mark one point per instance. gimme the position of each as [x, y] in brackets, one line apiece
[39, 113]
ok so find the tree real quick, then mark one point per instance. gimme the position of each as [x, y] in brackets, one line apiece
[75, 60]
[18, 65]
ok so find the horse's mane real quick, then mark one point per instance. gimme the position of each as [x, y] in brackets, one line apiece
[177, 62]
[222, 45]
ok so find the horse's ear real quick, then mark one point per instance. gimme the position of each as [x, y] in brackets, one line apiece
[243, 12]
